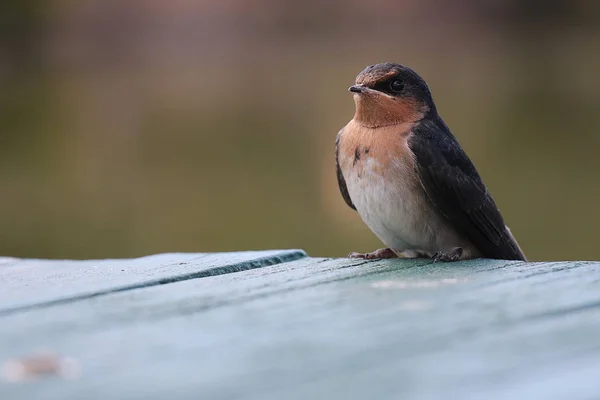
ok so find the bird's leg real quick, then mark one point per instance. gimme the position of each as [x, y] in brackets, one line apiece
[454, 255]
[381, 253]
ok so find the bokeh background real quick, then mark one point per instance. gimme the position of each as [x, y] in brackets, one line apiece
[143, 126]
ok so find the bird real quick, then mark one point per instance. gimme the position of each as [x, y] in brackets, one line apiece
[401, 168]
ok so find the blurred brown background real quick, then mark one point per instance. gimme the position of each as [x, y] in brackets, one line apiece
[143, 126]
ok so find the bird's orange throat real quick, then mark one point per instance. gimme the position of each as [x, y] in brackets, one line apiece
[376, 109]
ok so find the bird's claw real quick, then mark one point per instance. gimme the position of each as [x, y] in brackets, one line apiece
[452, 256]
[377, 254]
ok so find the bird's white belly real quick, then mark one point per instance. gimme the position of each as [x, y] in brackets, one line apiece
[394, 207]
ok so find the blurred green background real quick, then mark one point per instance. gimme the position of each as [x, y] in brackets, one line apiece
[143, 126]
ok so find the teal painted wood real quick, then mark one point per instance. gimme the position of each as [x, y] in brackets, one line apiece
[328, 328]
[31, 283]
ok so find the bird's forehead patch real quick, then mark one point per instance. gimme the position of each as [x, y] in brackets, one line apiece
[370, 76]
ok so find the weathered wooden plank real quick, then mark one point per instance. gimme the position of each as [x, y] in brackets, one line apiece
[318, 328]
[31, 283]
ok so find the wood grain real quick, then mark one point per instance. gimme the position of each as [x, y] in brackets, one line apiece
[33, 283]
[327, 328]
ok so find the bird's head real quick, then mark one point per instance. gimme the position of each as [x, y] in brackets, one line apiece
[388, 94]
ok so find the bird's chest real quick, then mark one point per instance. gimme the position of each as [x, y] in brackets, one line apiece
[378, 168]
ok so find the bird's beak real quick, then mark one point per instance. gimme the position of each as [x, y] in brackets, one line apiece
[357, 89]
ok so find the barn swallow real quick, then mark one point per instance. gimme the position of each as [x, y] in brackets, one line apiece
[399, 165]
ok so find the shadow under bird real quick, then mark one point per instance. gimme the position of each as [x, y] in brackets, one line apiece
[411, 182]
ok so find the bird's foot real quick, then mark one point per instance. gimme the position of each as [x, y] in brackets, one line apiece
[381, 253]
[454, 255]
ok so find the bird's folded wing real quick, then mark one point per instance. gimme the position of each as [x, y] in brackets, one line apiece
[455, 188]
[340, 176]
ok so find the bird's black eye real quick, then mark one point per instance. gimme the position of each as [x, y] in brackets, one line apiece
[397, 85]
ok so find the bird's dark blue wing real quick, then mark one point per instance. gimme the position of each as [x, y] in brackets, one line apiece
[455, 188]
[340, 176]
